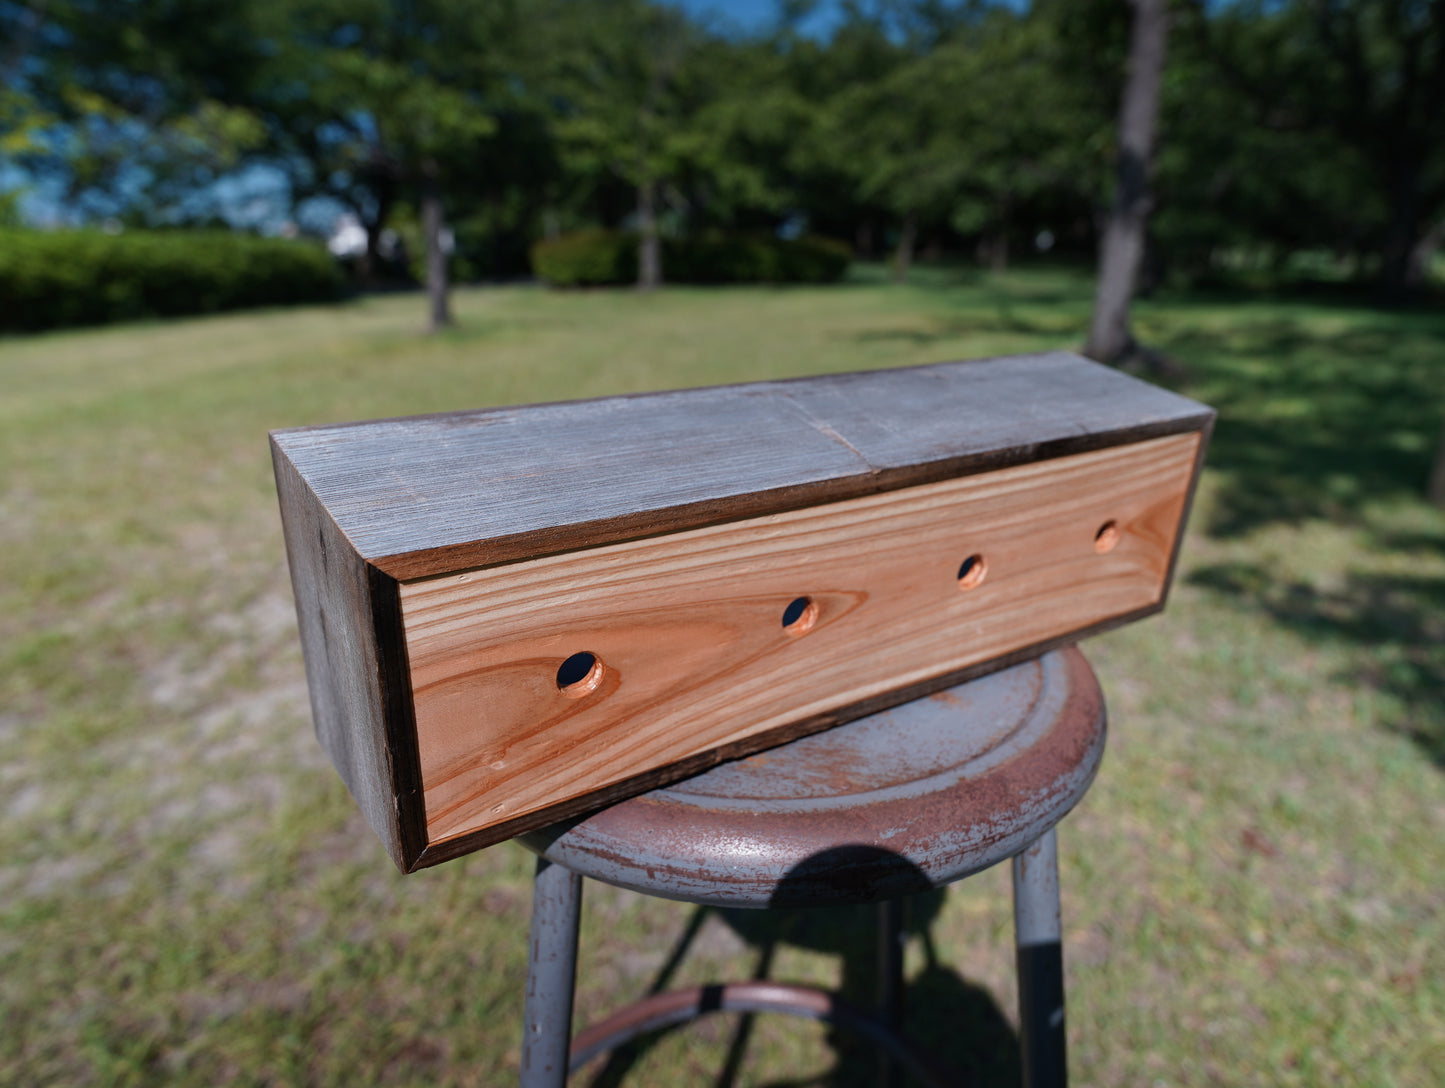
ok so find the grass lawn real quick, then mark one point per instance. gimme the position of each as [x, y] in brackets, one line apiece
[1253, 889]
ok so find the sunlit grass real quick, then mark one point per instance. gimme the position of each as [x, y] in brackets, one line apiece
[1252, 887]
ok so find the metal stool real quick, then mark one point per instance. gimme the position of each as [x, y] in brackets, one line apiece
[899, 802]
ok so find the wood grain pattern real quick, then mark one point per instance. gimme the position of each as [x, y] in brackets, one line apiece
[689, 626]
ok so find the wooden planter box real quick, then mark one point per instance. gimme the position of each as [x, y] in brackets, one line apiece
[516, 615]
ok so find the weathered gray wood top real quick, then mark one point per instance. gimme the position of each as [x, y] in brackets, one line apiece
[427, 494]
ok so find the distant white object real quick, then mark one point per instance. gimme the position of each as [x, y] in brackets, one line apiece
[347, 238]
[1044, 241]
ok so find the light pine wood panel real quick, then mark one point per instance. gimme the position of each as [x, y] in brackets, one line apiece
[688, 626]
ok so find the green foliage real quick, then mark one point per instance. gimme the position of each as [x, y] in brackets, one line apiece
[755, 259]
[51, 279]
[628, 86]
[586, 258]
[1302, 124]
[135, 108]
[1285, 126]
[10, 209]
[600, 257]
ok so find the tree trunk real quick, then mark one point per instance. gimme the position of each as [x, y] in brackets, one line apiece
[1403, 233]
[377, 178]
[998, 251]
[369, 270]
[433, 226]
[649, 246]
[1435, 489]
[863, 239]
[998, 244]
[1423, 252]
[1122, 248]
[1152, 269]
[371, 260]
[903, 256]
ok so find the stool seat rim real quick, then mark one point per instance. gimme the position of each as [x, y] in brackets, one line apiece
[902, 753]
[902, 800]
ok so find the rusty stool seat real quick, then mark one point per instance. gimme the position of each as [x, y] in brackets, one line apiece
[898, 802]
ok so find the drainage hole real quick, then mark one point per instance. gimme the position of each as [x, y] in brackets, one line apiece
[1106, 538]
[971, 572]
[579, 675]
[800, 615]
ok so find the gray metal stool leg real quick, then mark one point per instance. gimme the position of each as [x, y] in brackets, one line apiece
[1039, 939]
[551, 975]
[891, 938]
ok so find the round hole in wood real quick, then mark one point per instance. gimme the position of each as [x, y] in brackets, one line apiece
[800, 615]
[1106, 538]
[971, 572]
[579, 675]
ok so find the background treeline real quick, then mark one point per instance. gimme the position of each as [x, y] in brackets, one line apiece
[51, 279]
[1299, 136]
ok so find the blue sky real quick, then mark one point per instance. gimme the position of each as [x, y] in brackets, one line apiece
[756, 14]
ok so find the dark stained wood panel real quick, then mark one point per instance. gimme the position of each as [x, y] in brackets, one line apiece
[427, 494]
[350, 639]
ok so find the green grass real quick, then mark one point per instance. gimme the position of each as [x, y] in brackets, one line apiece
[1252, 889]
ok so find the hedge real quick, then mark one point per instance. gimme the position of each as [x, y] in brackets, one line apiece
[58, 278]
[598, 257]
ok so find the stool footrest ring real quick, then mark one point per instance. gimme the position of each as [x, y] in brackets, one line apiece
[680, 1006]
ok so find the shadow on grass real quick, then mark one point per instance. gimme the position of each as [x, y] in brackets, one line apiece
[1395, 625]
[1004, 319]
[1320, 411]
[1322, 416]
[1315, 424]
[956, 1025]
[1056, 316]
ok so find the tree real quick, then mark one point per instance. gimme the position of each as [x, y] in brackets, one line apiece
[1236, 175]
[1121, 250]
[956, 118]
[1388, 62]
[739, 156]
[23, 119]
[363, 101]
[374, 99]
[1435, 489]
[1023, 128]
[626, 96]
[828, 172]
[1367, 76]
[418, 123]
[122, 104]
[901, 133]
